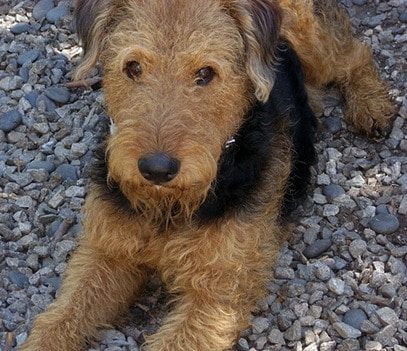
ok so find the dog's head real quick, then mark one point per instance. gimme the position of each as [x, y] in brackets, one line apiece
[179, 77]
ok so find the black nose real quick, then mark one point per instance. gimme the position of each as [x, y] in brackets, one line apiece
[159, 167]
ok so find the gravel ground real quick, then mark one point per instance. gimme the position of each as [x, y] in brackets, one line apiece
[340, 283]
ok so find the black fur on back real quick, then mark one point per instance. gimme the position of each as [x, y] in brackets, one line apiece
[243, 161]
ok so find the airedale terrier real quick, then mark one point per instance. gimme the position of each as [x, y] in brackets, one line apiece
[211, 146]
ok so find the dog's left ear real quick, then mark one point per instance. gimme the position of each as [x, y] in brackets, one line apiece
[92, 17]
[259, 22]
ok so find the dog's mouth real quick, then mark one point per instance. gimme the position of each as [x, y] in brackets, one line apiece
[166, 205]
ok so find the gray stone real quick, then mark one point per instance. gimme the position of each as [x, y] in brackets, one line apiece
[32, 262]
[322, 270]
[357, 181]
[11, 83]
[319, 199]
[25, 201]
[28, 56]
[24, 73]
[377, 279]
[12, 262]
[20, 338]
[403, 17]
[21, 179]
[305, 271]
[354, 317]
[388, 290]
[39, 175]
[275, 336]
[28, 241]
[293, 333]
[42, 273]
[40, 128]
[44, 103]
[359, 2]
[333, 154]
[62, 249]
[55, 282]
[316, 296]
[57, 199]
[373, 346]
[284, 273]
[384, 223]
[301, 310]
[75, 191]
[403, 181]
[46, 165]
[357, 248]
[387, 316]
[53, 227]
[340, 263]
[333, 124]
[330, 210]
[382, 209]
[317, 248]
[42, 300]
[311, 234]
[41, 251]
[18, 278]
[386, 335]
[403, 206]
[32, 98]
[396, 266]
[323, 179]
[79, 149]
[375, 20]
[336, 285]
[6, 232]
[260, 342]
[16, 137]
[67, 172]
[284, 319]
[327, 346]
[112, 336]
[346, 331]
[41, 8]
[351, 345]
[260, 324]
[368, 327]
[60, 95]
[20, 28]
[332, 191]
[58, 13]
[243, 345]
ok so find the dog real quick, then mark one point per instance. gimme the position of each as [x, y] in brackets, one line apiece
[213, 109]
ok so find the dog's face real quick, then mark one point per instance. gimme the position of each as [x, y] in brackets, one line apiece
[179, 77]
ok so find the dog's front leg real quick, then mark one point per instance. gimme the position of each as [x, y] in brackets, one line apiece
[198, 324]
[96, 290]
[216, 277]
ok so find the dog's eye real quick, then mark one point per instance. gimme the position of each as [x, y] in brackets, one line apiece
[133, 69]
[204, 75]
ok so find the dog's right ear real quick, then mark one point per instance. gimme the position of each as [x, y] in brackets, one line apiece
[259, 23]
[91, 18]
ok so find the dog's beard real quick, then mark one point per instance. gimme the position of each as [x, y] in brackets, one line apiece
[165, 206]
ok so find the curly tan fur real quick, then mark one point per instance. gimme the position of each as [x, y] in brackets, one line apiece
[322, 36]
